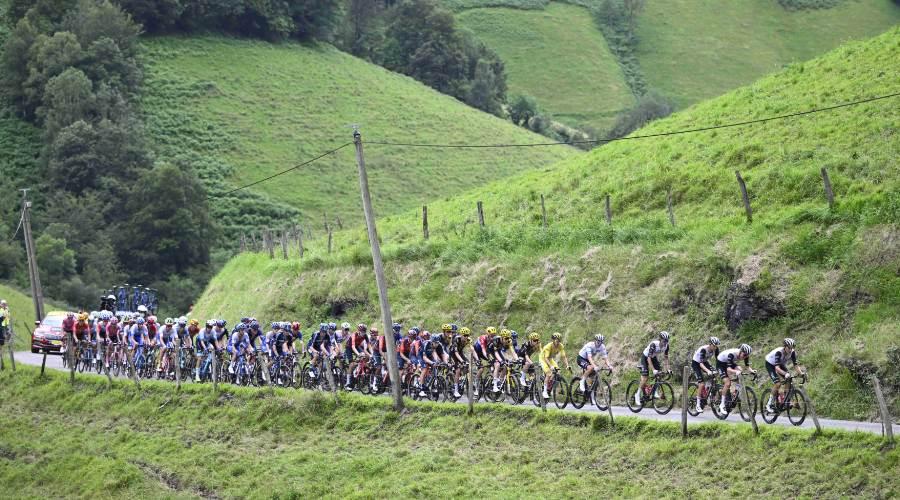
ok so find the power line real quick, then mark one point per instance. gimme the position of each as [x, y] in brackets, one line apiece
[21, 218]
[647, 136]
[295, 167]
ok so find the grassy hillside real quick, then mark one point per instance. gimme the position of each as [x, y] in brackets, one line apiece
[159, 444]
[692, 50]
[832, 271]
[22, 310]
[558, 56]
[242, 110]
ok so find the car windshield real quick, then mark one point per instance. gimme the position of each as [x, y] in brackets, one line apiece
[53, 321]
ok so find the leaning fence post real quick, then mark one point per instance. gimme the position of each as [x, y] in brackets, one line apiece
[425, 221]
[886, 422]
[543, 212]
[480, 213]
[829, 194]
[745, 196]
[746, 402]
[470, 387]
[669, 206]
[685, 376]
[130, 356]
[812, 409]
[330, 375]
[300, 240]
[608, 211]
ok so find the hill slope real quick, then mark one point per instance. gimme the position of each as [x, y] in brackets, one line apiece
[243, 110]
[299, 444]
[828, 277]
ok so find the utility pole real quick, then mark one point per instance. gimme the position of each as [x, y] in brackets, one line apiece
[36, 294]
[379, 273]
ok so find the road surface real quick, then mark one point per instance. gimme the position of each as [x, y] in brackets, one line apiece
[55, 362]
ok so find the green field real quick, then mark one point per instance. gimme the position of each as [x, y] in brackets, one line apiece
[22, 311]
[834, 271]
[691, 50]
[558, 56]
[90, 441]
[242, 110]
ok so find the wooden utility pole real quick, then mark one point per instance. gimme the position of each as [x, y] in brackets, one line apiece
[37, 295]
[425, 221]
[608, 211]
[669, 207]
[829, 194]
[745, 196]
[379, 273]
[480, 213]
[543, 212]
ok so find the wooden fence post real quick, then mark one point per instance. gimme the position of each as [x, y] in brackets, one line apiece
[812, 409]
[329, 239]
[12, 359]
[215, 373]
[470, 389]
[178, 361]
[284, 244]
[425, 221]
[685, 376]
[829, 194]
[480, 213]
[886, 422]
[608, 211]
[543, 212]
[745, 401]
[745, 196]
[265, 366]
[270, 243]
[103, 357]
[340, 224]
[299, 235]
[669, 206]
[70, 352]
[130, 357]
[243, 243]
[538, 379]
[43, 363]
[330, 375]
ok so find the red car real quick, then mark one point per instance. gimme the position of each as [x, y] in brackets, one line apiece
[48, 334]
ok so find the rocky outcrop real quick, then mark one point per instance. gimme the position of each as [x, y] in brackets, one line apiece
[750, 298]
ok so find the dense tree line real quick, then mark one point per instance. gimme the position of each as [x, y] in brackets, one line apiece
[108, 210]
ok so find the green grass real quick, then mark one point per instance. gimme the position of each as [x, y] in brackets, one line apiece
[691, 50]
[21, 309]
[558, 56]
[250, 443]
[242, 110]
[835, 270]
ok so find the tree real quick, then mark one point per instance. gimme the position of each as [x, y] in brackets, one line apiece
[56, 262]
[522, 109]
[68, 99]
[484, 93]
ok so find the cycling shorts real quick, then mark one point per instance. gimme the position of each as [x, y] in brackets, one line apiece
[400, 362]
[479, 354]
[549, 366]
[645, 367]
[773, 374]
[698, 372]
[722, 368]
[348, 354]
[583, 362]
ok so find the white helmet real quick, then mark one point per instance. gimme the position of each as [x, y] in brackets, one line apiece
[142, 309]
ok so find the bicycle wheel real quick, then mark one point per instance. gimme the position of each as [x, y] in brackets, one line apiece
[436, 389]
[796, 409]
[579, 397]
[512, 389]
[560, 393]
[602, 395]
[715, 397]
[765, 394]
[633, 387]
[751, 401]
[490, 394]
[663, 398]
[693, 395]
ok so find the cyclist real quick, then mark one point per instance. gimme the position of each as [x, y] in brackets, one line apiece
[587, 358]
[549, 353]
[457, 356]
[237, 342]
[296, 336]
[255, 336]
[481, 351]
[404, 350]
[103, 336]
[167, 342]
[525, 351]
[776, 366]
[398, 332]
[82, 328]
[203, 343]
[356, 346]
[218, 337]
[501, 350]
[648, 357]
[318, 343]
[429, 358]
[137, 339]
[726, 364]
[700, 365]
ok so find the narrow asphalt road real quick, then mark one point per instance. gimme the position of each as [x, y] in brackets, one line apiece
[55, 362]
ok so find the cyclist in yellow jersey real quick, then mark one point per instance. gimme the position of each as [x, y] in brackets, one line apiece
[548, 360]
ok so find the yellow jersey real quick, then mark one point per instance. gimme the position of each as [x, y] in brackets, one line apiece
[549, 352]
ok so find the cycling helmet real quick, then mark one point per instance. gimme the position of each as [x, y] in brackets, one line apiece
[332, 326]
[151, 320]
[411, 333]
[142, 309]
[714, 340]
[82, 317]
[182, 321]
[397, 327]
[345, 326]
[600, 338]
[210, 323]
[426, 335]
[746, 349]
[105, 315]
[417, 329]
[221, 323]
[111, 297]
[245, 319]
[556, 336]
[322, 327]
[373, 330]
[465, 332]
[454, 328]
[254, 325]
[240, 327]
[70, 314]
[534, 336]
[490, 330]
[139, 320]
[505, 334]
[789, 342]
[446, 328]
[274, 325]
[296, 325]
[170, 321]
[514, 334]
[114, 320]
[195, 322]
[664, 336]
[361, 327]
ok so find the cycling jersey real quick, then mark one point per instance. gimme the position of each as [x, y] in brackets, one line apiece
[426, 349]
[703, 353]
[201, 343]
[527, 349]
[100, 329]
[458, 345]
[655, 347]
[112, 332]
[550, 352]
[728, 358]
[593, 348]
[82, 330]
[405, 346]
[167, 336]
[777, 357]
[137, 334]
[358, 341]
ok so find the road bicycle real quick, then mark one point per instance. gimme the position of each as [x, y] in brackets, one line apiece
[559, 389]
[789, 400]
[658, 394]
[734, 400]
[700, 389]
[509, 387]
[596, 390]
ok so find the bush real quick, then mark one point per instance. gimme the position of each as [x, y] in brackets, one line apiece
[648, 108]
